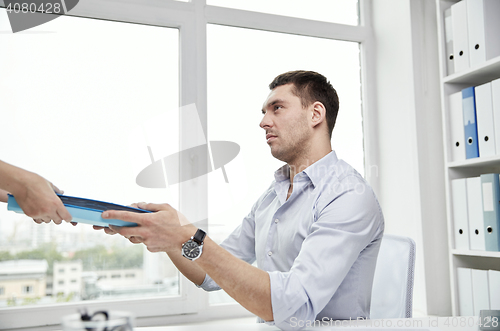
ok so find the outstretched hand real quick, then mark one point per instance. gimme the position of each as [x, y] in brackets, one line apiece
[38, 200]
[163, 230]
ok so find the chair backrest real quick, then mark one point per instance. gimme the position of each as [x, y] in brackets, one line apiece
[392, 291]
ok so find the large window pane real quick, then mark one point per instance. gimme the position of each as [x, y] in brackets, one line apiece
[336, 11]
[81, 100]
[241, 64]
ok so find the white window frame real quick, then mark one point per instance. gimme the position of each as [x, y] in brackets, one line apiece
[191, 18]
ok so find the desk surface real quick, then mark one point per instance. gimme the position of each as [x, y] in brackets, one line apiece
[457, 323]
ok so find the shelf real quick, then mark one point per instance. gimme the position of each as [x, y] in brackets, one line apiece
[487, 72]
[476, 253]
[476, 162]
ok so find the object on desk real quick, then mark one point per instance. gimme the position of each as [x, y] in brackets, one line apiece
[460, 220]
[489, 320]
[465, 303]
[475, 214]
[485, 122]
[98, 321]
[470, 123]
[480, 293]
[494, 286]
[490, 186]
[86, 211]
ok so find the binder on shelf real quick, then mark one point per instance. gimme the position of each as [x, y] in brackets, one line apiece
[448, 34]
[490, 186]
[460, 36]
[464, 286]
[475, 214]
[483, 26]
[470, 123]
[460, 220]
[457, 143]
[485, 122]
[480, 291]
[495, 93]
[494, 285]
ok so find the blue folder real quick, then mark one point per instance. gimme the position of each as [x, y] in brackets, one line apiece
[86, 210]
[470, 123]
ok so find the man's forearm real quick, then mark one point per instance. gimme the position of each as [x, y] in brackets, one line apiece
[248, 285]
[189, 269]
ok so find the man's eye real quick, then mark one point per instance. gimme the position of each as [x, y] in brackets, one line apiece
[277, 107]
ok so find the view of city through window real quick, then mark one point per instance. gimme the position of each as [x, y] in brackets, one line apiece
[84, 120]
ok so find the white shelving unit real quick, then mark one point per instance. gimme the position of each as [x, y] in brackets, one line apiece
[455, 82]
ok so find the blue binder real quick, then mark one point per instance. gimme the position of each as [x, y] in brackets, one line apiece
[490, 187]
[470, 123]
[86, 210]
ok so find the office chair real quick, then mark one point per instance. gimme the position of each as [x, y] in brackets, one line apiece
[392, 291]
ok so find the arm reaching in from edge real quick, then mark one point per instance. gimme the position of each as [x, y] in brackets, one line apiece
[34, 194]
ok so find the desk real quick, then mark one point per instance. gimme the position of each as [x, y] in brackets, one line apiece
[457, 323]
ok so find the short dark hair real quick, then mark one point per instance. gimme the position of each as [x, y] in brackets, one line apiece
[310, 87]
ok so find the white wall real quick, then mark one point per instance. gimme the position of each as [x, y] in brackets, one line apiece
[411, 159]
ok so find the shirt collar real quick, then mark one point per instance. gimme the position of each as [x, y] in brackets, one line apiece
[316, 172]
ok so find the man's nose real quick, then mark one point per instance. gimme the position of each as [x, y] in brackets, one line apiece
[266, 121]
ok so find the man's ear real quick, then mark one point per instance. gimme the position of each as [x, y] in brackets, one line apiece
[318, 113]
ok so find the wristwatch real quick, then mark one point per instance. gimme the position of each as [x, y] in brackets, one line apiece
[192, 248]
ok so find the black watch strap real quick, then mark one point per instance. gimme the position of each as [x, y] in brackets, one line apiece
[199, 236]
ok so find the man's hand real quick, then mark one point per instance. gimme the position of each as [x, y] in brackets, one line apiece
[162, 231]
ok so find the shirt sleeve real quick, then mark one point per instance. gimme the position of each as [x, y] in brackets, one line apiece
[344, 226]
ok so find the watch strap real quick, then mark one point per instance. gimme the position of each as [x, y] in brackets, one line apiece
[199, 236]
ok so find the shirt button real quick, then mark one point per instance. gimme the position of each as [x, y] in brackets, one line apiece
[276, 220]
[270, 253]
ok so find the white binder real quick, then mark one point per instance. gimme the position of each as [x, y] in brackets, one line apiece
[483, 26]
[480, 292]
[460, 221]
[448, 32]
[494, 285]
[460, 36]
[495, 93]
[485, 123]
[464, 284]
[475, 214]
[457, 136]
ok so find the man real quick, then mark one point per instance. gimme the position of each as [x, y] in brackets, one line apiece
[315, 232]
[34, 194]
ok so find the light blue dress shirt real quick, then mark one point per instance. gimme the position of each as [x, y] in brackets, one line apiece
[319, 247]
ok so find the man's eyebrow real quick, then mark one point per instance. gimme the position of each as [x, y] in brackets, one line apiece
[272, 103]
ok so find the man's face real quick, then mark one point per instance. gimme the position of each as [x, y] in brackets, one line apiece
[285, 123]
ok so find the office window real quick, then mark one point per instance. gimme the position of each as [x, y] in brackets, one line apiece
[2, 290]
[61, 282]
[78, 114]
[236, 92]
[336, 11]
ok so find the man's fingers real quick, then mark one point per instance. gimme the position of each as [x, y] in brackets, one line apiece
[135, 240]
[56, 189]
[151, 206]
[57, 219]
[122, 215]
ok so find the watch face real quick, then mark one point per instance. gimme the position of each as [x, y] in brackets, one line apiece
[191, 249]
